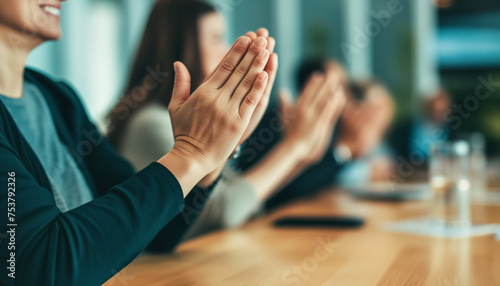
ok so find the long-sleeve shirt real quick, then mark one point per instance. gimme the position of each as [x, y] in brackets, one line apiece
[30, 113]
[90, 243]
[233, 201]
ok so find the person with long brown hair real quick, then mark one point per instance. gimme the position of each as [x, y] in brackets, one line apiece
[73, 204]
[144, 133]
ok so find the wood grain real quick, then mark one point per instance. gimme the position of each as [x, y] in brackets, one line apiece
[259, 254]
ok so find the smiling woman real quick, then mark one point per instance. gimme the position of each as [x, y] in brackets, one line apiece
[24, 25]
[40, 18]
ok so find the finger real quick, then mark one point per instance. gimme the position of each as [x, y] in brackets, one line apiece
[262, 32]
[249, 35]
[328, 89]
[228, 65]
[244, 66]
[262, 106]
[328, 111]
[250, 101]
[246, 84]
[312, 87]
[329, 114]
[257, 115]
[272, 70]
[182, 86]
[271, 44]
[333, 108]
[252, 35]
[285, 99]
[341, 98]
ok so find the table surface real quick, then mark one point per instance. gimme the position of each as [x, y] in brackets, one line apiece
[259, 254]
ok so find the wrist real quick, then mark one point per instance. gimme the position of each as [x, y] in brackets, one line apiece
[210, 179]
[297, 150]
[187, 169]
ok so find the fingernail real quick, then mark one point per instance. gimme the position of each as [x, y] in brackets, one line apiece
[263, 30]
[175, 67]
[260, 42]
[263, 75]
[263, 54]
[245, 41]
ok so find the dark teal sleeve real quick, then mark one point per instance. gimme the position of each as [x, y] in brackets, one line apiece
[89, 244]
[171, 235]
[107, 168]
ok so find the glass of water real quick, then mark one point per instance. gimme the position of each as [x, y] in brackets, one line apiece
[449, 179]
[478, 168]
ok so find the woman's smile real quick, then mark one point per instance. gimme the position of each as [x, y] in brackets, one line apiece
[53, 10]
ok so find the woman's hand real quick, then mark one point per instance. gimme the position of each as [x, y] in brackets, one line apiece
[314, 115]
[271, 69]
[209, 124]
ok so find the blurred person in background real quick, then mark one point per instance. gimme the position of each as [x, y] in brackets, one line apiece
[363, 126]
[145, 133]
[355, 152]
[412, 139]
[83, 212]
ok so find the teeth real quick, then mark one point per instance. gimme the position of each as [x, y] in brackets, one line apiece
[52, 10]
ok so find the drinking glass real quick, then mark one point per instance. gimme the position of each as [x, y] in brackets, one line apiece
[449, 179]
[478, 169]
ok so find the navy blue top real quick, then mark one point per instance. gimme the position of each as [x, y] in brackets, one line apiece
[90, 243]
[33, 118]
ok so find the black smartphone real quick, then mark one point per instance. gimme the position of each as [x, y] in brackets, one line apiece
[320, 221]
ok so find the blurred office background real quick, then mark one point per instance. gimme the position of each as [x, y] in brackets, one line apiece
[413, 47]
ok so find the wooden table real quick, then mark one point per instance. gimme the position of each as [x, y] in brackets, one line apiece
[259, 254]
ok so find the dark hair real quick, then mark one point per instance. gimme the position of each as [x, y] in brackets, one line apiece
[357, 89]
[307, 68]
[171, 35]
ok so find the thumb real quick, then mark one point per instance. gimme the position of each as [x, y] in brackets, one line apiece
[182, 86]
[285, 99]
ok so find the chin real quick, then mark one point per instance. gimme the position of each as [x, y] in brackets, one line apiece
[50, 35]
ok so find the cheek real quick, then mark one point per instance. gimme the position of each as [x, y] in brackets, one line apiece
[26, 17]
[44, 25]
[13, 13]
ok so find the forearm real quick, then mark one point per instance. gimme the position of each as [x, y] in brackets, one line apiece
[91, 243]
[276, 169]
